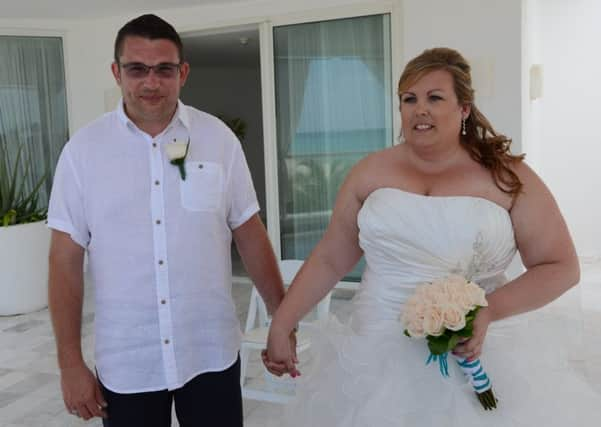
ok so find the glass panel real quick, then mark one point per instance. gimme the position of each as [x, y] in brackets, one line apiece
[333, 107]
[33, 105]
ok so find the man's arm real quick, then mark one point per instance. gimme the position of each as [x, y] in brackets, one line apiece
[65, 297]
[259, 260]
[81, 392]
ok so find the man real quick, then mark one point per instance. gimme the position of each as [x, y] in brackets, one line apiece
[158, 239]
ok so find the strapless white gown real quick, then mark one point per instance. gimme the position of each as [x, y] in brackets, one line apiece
[366, 373]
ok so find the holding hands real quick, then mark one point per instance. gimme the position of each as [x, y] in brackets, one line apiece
[280, 355]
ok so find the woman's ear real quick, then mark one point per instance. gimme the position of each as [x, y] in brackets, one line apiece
[466, 110]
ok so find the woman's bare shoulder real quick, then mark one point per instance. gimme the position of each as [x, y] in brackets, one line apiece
[374, 171]
[527, 176]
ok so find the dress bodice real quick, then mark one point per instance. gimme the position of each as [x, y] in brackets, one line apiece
[409, 239]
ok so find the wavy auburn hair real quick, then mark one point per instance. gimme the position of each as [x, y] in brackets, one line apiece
[482, 142]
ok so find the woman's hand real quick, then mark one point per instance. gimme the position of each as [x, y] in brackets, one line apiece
[280, 356]
[472, 347]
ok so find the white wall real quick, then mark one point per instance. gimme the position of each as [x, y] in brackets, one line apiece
[566, 140]
[234, 92]
[462, 24]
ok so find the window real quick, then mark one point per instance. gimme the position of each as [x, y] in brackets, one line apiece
[33, 106]
[333, 107]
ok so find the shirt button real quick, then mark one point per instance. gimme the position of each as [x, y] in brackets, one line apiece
[160, 262]
[157, 182]
[166, 341]
[163, 301]
[200, 166]
[158, 221]
[154, 144]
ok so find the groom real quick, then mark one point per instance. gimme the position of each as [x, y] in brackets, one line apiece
[158, 242]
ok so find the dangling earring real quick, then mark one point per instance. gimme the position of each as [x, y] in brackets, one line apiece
[401, 138]
[463, 131]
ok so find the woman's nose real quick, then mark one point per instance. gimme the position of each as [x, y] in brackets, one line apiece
[421, 109]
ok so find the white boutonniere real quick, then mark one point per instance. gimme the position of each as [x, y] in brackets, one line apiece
[177, 152]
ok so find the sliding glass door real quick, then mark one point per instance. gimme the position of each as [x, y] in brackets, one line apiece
[333, 107]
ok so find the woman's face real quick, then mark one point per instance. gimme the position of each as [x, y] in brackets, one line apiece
[430, 111]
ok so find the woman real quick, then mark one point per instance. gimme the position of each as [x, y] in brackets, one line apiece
[451, 199]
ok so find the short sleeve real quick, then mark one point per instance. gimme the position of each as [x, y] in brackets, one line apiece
[243, 199]
[66, 211]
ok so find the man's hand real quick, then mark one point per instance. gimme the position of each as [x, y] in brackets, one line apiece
[81, 393]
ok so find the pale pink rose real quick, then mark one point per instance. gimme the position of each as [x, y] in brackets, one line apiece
[416, 329]
[453, 317]
[456, 280]
[414, 312]
[476, 294]
[463, 301]
[433, 321]
[434, 295]
[458, 296]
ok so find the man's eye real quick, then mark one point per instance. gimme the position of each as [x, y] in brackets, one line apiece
[137, 69]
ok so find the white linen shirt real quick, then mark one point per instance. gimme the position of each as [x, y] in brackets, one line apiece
[158, 246]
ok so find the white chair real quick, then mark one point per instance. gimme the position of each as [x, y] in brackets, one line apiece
[271, 388]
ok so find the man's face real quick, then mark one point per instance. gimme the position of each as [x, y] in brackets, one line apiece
[150, 96]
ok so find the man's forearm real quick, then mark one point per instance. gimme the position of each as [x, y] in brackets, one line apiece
[259, 260]
[65, 301]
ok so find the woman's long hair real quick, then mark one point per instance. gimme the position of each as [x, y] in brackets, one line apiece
[481, 141]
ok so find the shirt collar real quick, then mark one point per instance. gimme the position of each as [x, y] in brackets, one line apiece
[181, 115]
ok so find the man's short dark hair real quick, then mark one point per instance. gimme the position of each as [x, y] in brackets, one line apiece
[149, 27]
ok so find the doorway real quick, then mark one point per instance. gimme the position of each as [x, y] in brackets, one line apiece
[225, 81]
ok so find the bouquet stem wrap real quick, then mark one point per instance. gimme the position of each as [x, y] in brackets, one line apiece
[475, 374]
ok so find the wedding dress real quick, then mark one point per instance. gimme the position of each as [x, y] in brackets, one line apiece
[366, 373]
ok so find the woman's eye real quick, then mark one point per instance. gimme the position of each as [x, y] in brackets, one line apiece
[435, 98]
[409, 100]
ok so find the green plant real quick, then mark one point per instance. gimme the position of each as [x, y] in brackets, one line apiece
[18, 203]
[237, 125]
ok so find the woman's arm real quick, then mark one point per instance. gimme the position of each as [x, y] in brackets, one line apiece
[547, 252]
[333, 257]
[546, 248]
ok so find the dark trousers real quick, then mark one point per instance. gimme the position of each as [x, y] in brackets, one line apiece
[209, 399]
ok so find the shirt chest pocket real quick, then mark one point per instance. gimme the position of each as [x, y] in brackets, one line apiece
[202, 188]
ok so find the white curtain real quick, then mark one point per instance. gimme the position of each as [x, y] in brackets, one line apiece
[33, 106]
[333, 107]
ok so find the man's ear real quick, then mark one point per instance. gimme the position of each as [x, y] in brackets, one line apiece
[116, 72]
[184, 71]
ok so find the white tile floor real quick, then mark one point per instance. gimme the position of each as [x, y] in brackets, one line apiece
[29, 381]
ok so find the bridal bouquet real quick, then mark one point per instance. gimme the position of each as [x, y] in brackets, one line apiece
[443, 312]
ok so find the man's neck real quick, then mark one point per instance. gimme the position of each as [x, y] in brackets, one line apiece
[152, 127]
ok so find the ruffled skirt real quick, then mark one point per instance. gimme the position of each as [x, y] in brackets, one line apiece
[380, 378]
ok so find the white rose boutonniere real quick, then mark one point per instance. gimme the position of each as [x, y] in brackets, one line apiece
[177, 152]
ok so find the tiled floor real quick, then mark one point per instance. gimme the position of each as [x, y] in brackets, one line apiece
[29, 382]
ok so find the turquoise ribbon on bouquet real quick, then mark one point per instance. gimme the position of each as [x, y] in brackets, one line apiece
[475, 373]
[443, 363]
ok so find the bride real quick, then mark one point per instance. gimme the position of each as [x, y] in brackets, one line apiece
[452, 199]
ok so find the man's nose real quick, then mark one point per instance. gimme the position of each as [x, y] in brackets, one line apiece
[151, 80]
